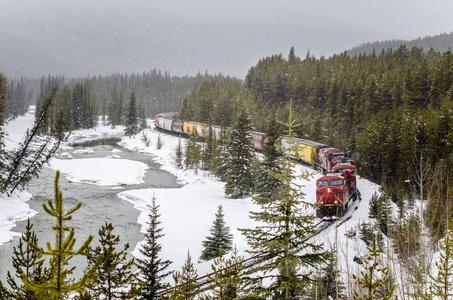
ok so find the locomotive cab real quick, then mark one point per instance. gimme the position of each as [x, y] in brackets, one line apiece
[349, 172]
[332, 195]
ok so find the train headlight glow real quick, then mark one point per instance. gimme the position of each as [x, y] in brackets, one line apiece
[336, 201]
[329, 190]
[321, 202]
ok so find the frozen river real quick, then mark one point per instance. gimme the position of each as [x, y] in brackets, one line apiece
[100, 204]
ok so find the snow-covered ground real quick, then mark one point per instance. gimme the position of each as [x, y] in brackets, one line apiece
[187, 213]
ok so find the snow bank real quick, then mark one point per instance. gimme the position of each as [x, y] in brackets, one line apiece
[12, 210]
[101, 171]
[15, 208]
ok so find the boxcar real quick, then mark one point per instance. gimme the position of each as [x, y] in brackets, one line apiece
[305, 150]
[258, 139]
[165, 123]
[190, 127]
[202, 129]
[177, 126]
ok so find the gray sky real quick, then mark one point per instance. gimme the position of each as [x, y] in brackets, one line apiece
[185, 36]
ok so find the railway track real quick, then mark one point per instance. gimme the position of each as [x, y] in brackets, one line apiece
[204, 281]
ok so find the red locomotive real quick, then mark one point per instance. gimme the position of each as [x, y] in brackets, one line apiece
[336, 191]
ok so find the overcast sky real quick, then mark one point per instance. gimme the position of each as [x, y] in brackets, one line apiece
[227, 36]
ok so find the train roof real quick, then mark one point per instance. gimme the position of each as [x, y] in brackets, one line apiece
[306, 142]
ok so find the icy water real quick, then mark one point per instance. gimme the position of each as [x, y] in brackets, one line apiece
[100, 204]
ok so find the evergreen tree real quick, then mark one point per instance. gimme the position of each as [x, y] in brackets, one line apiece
[226, 281]
[59, 285]
[153, 268]
[132, 119]
[159, 143]
[220, 238]
[441, 285]
[27, 260]
[35, 150]
[280, 247]
[239, 177]
[328, 280]
[179, 155]
[267, 184]
[185, 286]
[374, 279]
[3, 152]
[114, 277]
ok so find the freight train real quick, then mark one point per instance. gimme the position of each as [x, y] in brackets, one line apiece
[335, 191]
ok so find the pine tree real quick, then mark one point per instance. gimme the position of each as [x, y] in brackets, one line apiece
[441, 285]
[152, 267]
[185, 286]
[132, 119]
[239, 177]
[27, 260]
[226, 281]
[159, 143]
[4, 293]
[34, 151]
[280, 246]
[3, 152]
[220, 238]
[59, 285]
[114, 277]
[179, 155]
[328, 281]
[374, 279]
[266, 184]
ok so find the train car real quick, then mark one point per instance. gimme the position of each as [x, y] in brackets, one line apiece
[217, 131]
[333, 196]
[164, 123]
[326, 157]
[349, 172]
[202, 129]
[258, 140]
[305, 150]
[177, 126]
[190, 127]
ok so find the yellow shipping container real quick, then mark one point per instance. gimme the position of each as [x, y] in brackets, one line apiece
[190, 127]
[307, 150]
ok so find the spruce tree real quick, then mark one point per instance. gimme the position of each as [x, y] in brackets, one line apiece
[153, 268]
[266, 184]
[114, 277]
[328, 280]
[3, 152]
[59, 285]
[220, 238]
[441, 285]
[226, 281]
[179, 155]
[239, 177]
[280, 246]
[27, 260]
[132, 119]
[185, 286]
[374, 279]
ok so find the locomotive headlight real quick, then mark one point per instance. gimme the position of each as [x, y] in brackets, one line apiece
[321, 202]
[329, 190]
[336, 201]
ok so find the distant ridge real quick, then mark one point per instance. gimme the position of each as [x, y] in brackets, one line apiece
[442, 42]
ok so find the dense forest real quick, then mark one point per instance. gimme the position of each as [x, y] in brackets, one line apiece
[392, 111]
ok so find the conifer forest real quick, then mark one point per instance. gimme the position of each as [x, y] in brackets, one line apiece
[388, 105]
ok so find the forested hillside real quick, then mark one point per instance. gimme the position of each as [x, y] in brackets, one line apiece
[393, 112]
[442, 42]
[82, 101]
